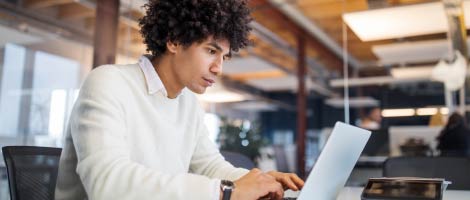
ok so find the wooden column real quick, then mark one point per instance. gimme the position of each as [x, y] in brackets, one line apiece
[301, 107]
[106, 28]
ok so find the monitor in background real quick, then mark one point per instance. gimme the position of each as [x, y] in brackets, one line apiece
[378, 144]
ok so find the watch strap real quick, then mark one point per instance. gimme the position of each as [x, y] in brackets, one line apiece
[227, 193]
[227, 189]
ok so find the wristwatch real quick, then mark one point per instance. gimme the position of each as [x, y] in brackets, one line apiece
[226, 187]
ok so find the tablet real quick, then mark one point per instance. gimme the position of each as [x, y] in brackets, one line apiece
[403, 188]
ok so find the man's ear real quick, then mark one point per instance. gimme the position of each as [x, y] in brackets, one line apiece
[172, 46]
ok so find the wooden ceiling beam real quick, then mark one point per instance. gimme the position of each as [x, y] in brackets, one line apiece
[125, 35]
[330, 9]
[273, 55]
[273, 19]
[90, 23]
[402, 2]
[243, 77]
[35, 4]
[327, 16]
[133, 14]
[243, 53]
[75, 11]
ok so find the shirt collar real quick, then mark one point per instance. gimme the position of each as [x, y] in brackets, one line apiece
[154, 83]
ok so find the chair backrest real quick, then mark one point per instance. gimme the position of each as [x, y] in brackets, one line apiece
[454, 169]
[238, 160]
[32, 171]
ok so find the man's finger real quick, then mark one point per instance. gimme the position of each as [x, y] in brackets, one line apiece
[279, 191]
[298, 182]
[275, 190]
[289, 183]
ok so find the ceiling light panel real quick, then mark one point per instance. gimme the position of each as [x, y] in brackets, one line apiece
[400, 22]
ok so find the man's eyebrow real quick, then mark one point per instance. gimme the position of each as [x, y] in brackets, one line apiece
[215, 45]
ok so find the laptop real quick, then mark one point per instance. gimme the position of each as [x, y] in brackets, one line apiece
[335, 163]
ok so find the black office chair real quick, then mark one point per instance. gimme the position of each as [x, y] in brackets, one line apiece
[238, 160]
[32, 171]
[455, 169]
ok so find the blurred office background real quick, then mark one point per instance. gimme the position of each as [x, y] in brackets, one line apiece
[278, 100]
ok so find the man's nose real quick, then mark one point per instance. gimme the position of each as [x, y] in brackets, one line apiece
[216, 67]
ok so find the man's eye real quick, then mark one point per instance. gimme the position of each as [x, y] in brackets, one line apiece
[212, 51]
[227, 57]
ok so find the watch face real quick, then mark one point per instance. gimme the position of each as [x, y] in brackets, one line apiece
[227, 183]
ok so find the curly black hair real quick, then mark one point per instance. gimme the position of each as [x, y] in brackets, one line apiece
[187, 21]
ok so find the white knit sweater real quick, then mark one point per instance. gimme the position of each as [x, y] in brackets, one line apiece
[126, 142]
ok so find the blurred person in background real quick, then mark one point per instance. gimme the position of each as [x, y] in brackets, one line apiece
[372, 119]
[454, 139]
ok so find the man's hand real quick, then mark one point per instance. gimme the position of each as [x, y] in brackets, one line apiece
[256, 185]
[288, 180]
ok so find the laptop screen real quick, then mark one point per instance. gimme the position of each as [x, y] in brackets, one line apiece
[335, 163]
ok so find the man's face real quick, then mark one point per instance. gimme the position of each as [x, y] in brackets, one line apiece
[376, 115]
[197, 66]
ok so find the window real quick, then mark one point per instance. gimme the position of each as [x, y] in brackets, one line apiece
[37, 91]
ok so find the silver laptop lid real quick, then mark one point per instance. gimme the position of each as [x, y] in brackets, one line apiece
[335, 163]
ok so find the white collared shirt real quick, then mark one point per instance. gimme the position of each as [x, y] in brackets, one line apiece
[154, 83]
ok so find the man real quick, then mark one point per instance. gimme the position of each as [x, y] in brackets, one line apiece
[136, 132]
[372, 119]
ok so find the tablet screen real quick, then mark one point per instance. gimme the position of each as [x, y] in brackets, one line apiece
[386, 189]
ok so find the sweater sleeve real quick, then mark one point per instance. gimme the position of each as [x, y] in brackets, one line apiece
[104, 163]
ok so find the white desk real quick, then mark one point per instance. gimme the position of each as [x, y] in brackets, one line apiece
[354, 193]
